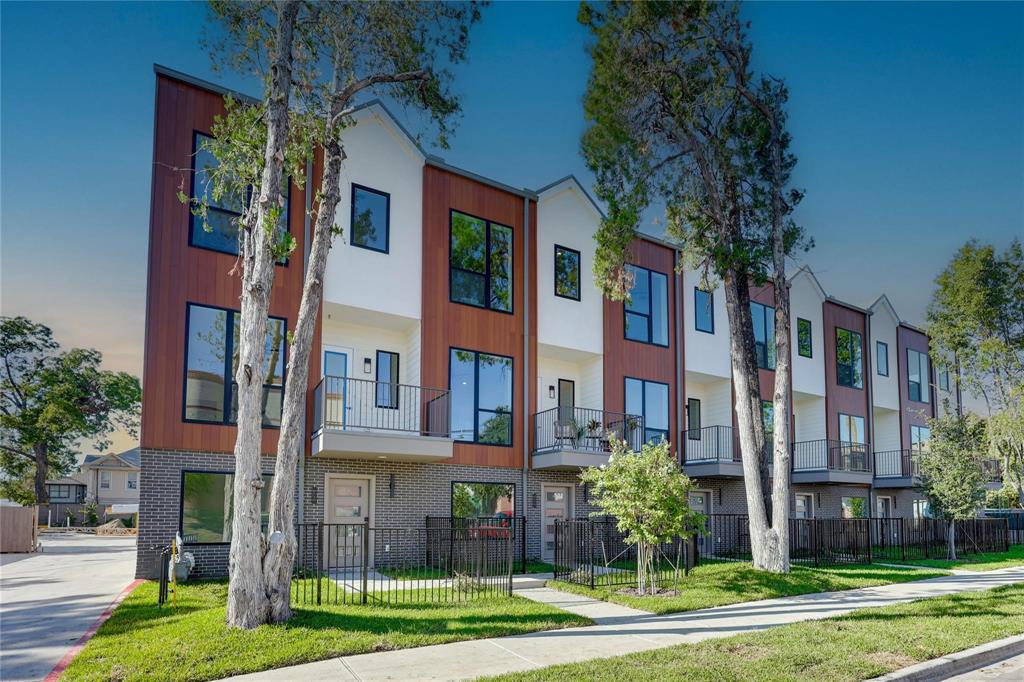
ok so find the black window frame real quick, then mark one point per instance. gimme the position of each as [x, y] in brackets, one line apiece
[387, 219]
[879, 345]
[394, 384]
[810, 338]
[579, 281]
[697, 291]
[181, 501]
[922, 444]
[838, 364]
[451, 496]
[943, 380]
[487, 264]
[692, 432]
[192, 216]
[476, 397]
[229, 379]
[846, 416]
[768, 319]
[924, 385]
[666, 432]
[649, 315]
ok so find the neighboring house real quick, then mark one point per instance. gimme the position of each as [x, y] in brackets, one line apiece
[111, 478]
[66, 490]
[465, 363]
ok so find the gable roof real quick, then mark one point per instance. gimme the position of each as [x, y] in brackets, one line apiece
[572, 181]
[807, 272]
[128, 458]
[883, 302]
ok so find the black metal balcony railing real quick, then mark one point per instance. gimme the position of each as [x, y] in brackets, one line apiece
[581, 428]
[348, 404]
[897, 464]
[710, 444]
[831, 455]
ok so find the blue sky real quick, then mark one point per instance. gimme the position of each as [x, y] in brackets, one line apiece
[908, 120]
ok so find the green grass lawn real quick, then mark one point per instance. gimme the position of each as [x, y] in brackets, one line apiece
[858, 646]
[424, 573]
[986, 561]
[143, 642]
[722, 583]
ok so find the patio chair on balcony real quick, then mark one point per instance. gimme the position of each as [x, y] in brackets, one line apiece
[566, 430]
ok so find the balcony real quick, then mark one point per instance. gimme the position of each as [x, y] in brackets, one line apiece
[711, 451]
[831, 461]
[993, 471]
[573, 438]
[364, 419]
[897, 469]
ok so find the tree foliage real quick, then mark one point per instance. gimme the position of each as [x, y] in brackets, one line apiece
[649, 497]
[51, 400]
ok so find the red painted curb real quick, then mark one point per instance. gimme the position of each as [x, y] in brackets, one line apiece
[77, 647]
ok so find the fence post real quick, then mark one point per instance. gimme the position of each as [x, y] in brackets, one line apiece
[868, 522]
[511, 554]
[522, 545]
[903, 540]
[319, 546]
[366, 553]
[1006, 534]
[590, 553]
[451, 546]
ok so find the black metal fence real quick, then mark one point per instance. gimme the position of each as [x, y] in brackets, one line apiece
[1014, 521]
[363, 564]
[441, 527]
[581, 428]
[832, 455]
[595, 553]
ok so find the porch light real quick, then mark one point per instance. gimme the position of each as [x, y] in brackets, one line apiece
[551, 391]
[367, 365]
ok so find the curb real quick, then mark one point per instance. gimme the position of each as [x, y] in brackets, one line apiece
[77, 647]
[959, 662]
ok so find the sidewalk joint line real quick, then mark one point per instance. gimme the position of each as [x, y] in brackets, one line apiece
[349, 669]
[534, 664]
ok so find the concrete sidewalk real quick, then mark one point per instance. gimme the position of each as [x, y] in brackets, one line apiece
[619, 630]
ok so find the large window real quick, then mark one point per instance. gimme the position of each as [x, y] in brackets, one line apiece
[387, 380]
[882, 358]
[567, 272]
[851, 429]
[371, 218]
[703, 310]
[919, 436]
[849, 360]
[481, 397]
[855, 507]
[917, 375]
[219, 230]
[212, 358]
[764, 334]
[647, 307]
[470, 500]
[649, 399]
[804, 345]
[207, 500]
[480, 263]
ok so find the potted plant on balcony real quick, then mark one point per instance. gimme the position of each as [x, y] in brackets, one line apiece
[594, 432]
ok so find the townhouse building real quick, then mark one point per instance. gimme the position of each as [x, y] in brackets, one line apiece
[465, 364]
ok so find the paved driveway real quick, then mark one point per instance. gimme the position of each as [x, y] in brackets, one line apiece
[49, 599]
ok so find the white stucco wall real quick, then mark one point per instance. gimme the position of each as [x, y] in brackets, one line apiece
[567, 218]
[885, 391]
[380, 156]
[806, 302]
[705, 353]
[364, 342]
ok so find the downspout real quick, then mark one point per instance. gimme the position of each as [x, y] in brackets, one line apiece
[869, 384]
[527, 383]
[301, 494]
[680, 388]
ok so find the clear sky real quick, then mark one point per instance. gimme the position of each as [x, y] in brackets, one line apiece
[908, 120]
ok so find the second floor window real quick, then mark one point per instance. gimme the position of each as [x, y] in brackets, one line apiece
[387, 380]
[481, 397]
[944, 380]
[764, 334]
[211, 358]
[882, 358]
[849, 359]
[917, 375]
[105, 480]
[131, 481]
[851, 429]
[480, 263]
[803, 337]
[919, 436]
[649, 399]
[567, 272]
[693, 418]
[703, 310]
[371, 218]
[646, 311]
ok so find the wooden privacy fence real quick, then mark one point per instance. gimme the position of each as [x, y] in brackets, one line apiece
[1015, 522]
[18, 530]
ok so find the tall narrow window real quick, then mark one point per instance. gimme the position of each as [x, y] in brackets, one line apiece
[693, 418]
[567, 272]
[849, 360]
[764, 334]
[646, 311]
[371, 218]
[480, 263]
[211, 358]
[804, 345]
[387, 379]
[481, 397]
[703, 310]
[917, 376]
[768, 416]
[131, 480]
[649, 399]
[944, 380]
[882, 358]
[105, 480]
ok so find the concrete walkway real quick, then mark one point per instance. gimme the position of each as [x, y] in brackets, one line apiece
[619, 630]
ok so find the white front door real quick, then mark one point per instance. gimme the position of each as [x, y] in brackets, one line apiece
[804, 507]
[346, 506]
[555, 507]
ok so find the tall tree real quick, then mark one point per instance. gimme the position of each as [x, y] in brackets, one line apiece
[976, 325]
[677, 118]
[326, 57]
[52, 400]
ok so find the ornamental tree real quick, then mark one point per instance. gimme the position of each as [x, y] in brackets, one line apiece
[649, 497]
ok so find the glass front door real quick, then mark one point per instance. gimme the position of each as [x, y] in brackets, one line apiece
[335, 388]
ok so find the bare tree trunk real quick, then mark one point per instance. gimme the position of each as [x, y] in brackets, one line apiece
[951, 541]
[42, 457]
[248, 603]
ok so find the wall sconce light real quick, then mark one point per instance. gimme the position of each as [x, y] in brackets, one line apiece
[551, 391]
[586, 493]
[313, 494]
[391, 484]
[535, 500]
[719, 496]
[367, 365]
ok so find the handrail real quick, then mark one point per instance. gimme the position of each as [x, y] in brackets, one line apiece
[710, 444]
[351, 404]
[831, 455]
[587, 429]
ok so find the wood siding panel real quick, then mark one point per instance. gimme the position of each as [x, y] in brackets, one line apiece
[180, 274]
[843, 399]
[912, 412]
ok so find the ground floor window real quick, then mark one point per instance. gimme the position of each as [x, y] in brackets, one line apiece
[483, 499]
[804, 506]
[921, 510]
[855, 507]
[207, 499]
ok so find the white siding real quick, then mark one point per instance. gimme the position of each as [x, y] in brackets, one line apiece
[587, 376]
[809, 418]
[364, 342]
[887, 430]
[806, 303]
[885, 391]
[706, 353]
[715, 402]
